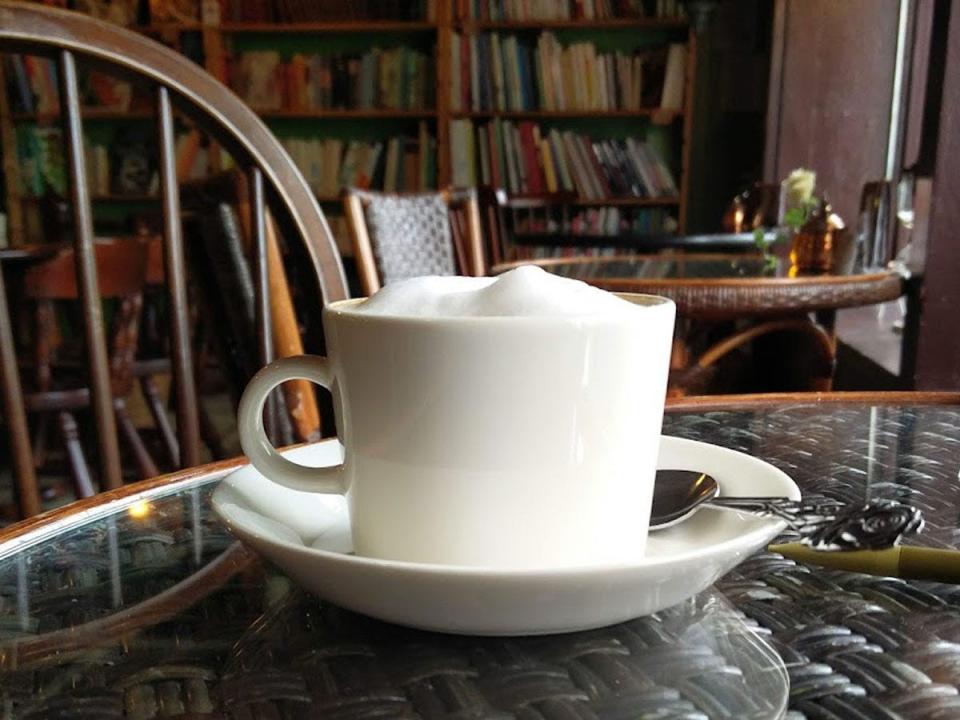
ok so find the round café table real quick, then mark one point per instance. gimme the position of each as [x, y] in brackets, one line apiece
[738, 293]
[138, 604]
[724, 286]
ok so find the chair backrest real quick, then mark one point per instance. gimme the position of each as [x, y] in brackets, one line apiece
[400, 236]
[176, 83]
[121, 269]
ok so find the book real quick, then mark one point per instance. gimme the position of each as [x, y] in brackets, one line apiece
[456, 92]
[549, 172]
[486, 176]
[459, 163]
[186, 151]
[671, 97]
[424, 170]
[106, 91]
[22, 99]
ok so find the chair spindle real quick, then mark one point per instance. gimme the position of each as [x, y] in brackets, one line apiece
[188, 424]
[101, 397]
[15, 416]
[258, 222]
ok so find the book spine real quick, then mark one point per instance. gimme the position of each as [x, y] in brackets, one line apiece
[423, 149]
[529, 145]
[516, 91]
[499, 100]
[598, 178]
[495, 152]
[455, 95]
[577, 168]
[460, 149]
[564, 180]
[475, 72]
[483, 150]
[673, 78]
[548, 170]
[528, 92]
[486, 82]
[510, 152]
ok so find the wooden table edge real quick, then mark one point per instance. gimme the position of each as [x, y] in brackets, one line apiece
[17, 536]
[759, 401]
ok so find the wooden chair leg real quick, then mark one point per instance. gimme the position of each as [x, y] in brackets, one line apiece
[160, 419]
[83, 485]
[145, 463]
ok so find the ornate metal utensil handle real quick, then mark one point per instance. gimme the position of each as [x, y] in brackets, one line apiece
[825, 524]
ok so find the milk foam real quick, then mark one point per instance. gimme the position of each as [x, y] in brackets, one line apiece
[527, 291]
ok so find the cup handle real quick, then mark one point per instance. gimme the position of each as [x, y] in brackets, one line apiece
[257, 447]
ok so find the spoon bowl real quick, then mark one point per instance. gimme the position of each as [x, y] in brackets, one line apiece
[678, 494]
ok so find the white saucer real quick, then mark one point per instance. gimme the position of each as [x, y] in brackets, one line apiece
[308, 535]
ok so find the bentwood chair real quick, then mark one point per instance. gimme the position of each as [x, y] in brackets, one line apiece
[277, 189]
[55, 390]
[401, 236]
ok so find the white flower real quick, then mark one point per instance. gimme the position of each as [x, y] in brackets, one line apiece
[799, 187]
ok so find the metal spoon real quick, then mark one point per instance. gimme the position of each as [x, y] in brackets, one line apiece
[822, 524]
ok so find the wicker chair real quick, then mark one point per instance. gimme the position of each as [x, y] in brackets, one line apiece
[401, 236]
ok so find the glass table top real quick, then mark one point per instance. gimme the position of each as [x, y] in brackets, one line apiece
[150, 609]
[675, 265]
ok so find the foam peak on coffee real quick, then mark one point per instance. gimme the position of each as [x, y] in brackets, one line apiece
[527, 291]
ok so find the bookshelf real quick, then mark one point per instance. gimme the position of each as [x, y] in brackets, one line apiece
[419, 121]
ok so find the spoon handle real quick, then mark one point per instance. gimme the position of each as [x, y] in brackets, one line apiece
[825, 524]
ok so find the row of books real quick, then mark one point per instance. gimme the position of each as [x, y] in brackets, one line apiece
[396, 78]
[123, 168]
[598, 222]
[525, 160]
[32, 86]
[325, 10]
[402, 163]
[525, 10]
[494, 72]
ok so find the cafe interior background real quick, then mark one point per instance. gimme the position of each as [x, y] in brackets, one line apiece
[755, 142]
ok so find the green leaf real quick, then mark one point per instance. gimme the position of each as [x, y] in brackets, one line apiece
[795, 217]
[760, 238]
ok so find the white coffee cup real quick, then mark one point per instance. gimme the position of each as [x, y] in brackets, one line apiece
[506, 442]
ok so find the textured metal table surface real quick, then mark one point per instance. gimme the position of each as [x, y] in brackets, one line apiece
[154, 612]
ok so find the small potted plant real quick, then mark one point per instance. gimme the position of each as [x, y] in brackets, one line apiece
[807, 222]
